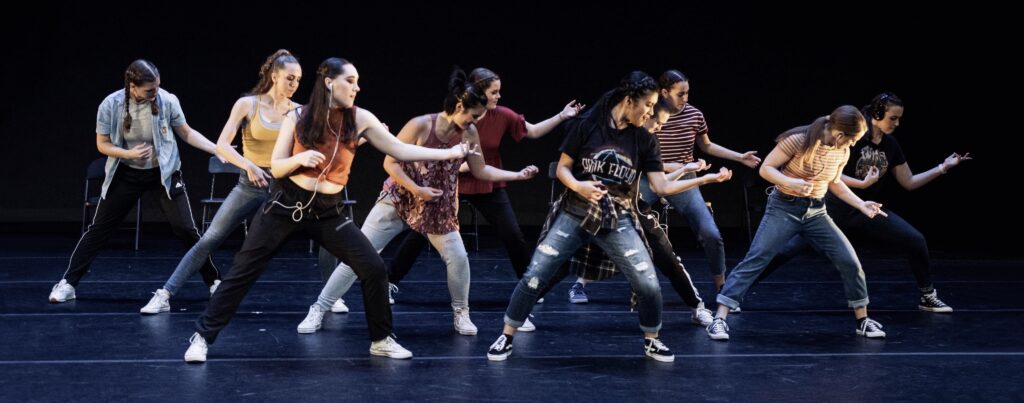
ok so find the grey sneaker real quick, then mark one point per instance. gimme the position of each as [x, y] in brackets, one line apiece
[718, 330]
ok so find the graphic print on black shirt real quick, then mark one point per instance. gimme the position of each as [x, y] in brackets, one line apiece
[615, 158]
[865, 154]
[609, 165]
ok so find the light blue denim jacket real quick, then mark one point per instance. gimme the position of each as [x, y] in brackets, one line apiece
[110, 121]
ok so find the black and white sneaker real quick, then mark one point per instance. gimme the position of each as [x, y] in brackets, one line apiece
[501, 349]
[930, 302]
[655, 349]
[871, 329]
[718, 330]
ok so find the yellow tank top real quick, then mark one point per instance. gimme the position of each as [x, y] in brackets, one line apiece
[258, 137]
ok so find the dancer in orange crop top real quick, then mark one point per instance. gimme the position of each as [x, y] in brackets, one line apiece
[326, 130]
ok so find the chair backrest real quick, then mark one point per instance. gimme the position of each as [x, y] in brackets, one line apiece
[217, 167]
[96, 169]
[95, 172]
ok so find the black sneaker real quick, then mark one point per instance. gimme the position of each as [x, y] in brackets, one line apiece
[870, 329]
[930, 302]
[501, 349]
[655, 349]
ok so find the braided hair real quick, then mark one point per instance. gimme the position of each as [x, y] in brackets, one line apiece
[139, 72]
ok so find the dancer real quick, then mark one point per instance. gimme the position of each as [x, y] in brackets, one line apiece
[591, 263]
[677, 138]
[872, 160]
[603, 154]
[135, 129]
[807, 162]
[259, 113]
[313, 154]
[489, 198]
[424, 196]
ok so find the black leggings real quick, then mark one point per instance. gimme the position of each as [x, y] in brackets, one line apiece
[128, 185]
[325, 222]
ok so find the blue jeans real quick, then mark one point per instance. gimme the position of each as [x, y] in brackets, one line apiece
[240, 203]
[563, 239]
[893, 231]
[690, 204]
[787, 216]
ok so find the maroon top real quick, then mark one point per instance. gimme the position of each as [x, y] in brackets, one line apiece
[495, 124]
[441, 215]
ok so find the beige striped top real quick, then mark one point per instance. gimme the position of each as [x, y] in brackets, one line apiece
[818, 170]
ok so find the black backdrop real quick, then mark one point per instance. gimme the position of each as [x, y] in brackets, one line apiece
[755, 70]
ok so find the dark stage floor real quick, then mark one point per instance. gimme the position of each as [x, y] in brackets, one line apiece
[794, 340]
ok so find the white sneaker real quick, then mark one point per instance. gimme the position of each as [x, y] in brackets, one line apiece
[339, 306]
[702, 316]
[313, 320]
[462, 323]
[392, 289]
[197, 351]
[213, 287]
[389, 348]
[61, 292]
[527, 326]
[159, 303]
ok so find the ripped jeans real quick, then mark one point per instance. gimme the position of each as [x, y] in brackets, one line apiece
[565, 236]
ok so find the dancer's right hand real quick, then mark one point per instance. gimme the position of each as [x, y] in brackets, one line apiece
[800, 187]
[140, 152]
[464, 149]
[723, 175]
[593, 191]
[696, 166]
[257, 175]
[310, 158]
[428, 193]
[871, 177]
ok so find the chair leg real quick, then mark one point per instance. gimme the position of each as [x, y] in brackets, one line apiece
[138, 222]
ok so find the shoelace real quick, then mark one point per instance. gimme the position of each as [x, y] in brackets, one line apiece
[392, 288]
[658, 345]
[719, 325]
[933, 300]
[871, 325]
[193, 338]
[500, 343]
[388, 344]
[462, 316]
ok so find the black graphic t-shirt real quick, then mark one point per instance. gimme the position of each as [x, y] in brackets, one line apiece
[616, 158]
[885, 155]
